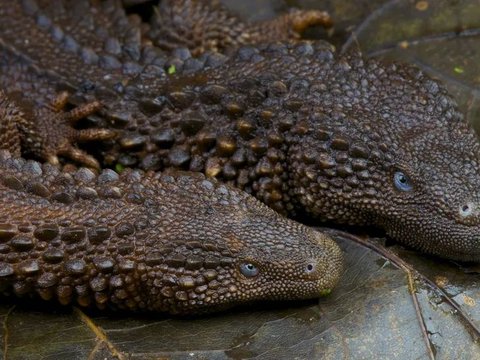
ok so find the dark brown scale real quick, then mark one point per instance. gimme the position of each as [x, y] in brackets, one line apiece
[22, 243]
[179, 157]
[39, 190]
[104, 264]
[339, 143]
[226, 146]
[132, 142]
[46, 232]
[206, 140]
[12, 182]
[47, 280]
[53, 256]
[7, 232]
[75, 267]
[86, 193]
[124, 230]
[245, 128]
[193, 123]
[259, 145]
[164, 138]
[99, 234]
[6, 270]
[213, 94]
[28, 268]
[181, 100]
[73, 235]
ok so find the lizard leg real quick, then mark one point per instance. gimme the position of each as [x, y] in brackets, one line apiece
[10, 115]
[289, 26]
[202, 26]
[46, 132]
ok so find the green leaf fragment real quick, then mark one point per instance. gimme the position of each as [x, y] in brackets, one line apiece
[119, 168]
[171, 70]
[325, 292]
[458, 70]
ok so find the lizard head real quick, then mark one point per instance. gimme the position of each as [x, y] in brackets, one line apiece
[388, 147]
[433, 202]
[247, 253]
[280, 266]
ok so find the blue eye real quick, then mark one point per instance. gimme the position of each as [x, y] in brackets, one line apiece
[249, 270]
[402, 182]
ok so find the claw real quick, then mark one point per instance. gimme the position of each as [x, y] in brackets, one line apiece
[82, 111]
[95, 134]
[79, 156]
[59, 102]
[300, 20]
[53, 160]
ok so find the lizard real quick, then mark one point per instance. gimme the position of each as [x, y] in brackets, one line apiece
[305, 130]
[144, 241]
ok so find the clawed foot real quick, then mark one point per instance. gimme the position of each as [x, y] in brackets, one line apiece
[66, 136]
[49, 132]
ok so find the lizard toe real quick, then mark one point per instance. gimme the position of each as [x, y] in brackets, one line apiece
[95, 135]
[79, 156]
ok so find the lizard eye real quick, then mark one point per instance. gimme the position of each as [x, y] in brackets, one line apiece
[402, 182]
[248, 269]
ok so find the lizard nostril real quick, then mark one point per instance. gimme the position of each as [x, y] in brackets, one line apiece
[310, 268]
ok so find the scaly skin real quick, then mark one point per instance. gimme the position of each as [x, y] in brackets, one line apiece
[201, 25]
[139, 241]
[299, 127]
